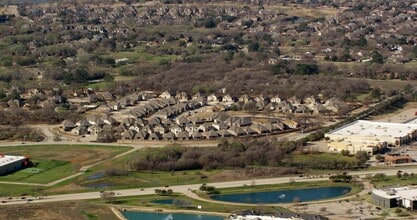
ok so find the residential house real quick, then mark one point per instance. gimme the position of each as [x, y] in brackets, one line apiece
[141, 135]
[213, 99]
[154, 121]
[190, 128]
[94, 129]
[182, 96]
[160, 129]
[250, 131]
[335, 105]
[225, 134]
[128, 121]
[228, 99]
[205, 127]
[129, 135]
[302, 109]
[168, 136]
[260, 128]
[83, 123]
[197, 136]
[196, 120]
[237, 131]
[211, 134]
[182, 121]
[219, 126]
[183, 135]
[167, 122]
[68, 125]
[166, 95]
[276, 99]
[80, 130]
[244, 98]
[176, 129]
[155, 137]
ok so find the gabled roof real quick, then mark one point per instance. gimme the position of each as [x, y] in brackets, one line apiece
[197, 135]
[68, 124]
[155, 136]
[211, 134]
[237, 131]
[129, 134]
[128, 121]
[225, 133]
[154, 121]
[141, 135]
[183, 135]
[168, 136]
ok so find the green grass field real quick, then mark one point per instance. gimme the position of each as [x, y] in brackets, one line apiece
[80, 154]
[322, 158]
[57, 161]
[50, 170]
[139, 54]
[394, 181]
[146, 201]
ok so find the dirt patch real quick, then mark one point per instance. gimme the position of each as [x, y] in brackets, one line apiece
[401, 115]
[82, 155]
[59, 210]
[67, 188]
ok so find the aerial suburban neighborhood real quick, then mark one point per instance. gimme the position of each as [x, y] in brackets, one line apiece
[208, 109]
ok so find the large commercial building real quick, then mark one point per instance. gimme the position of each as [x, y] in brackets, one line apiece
[368, 136]
[395, 197]
[10, 163]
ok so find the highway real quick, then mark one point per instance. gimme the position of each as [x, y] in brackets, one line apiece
[185, 189]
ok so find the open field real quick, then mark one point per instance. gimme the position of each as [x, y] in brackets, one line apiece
[59, 210]
[390, 181]
[398, 115]
[322, 158]
[46, 171]
[390, 84]
[54, 162]
[146, 201]
[76, 154]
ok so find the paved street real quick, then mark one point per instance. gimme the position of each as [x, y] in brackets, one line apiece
[186, 188]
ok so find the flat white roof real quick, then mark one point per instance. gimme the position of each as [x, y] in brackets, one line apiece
[374, 129]
[8, 159]
[414, 121]
[393, 193]
[410, 194]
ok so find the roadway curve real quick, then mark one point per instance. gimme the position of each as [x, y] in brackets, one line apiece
[185, 189]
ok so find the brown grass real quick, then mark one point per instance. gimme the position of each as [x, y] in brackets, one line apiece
[82, 155]
[59, 210]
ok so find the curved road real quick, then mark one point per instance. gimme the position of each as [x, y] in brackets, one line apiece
[185, 189]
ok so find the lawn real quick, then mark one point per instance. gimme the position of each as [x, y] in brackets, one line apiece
[20, 190]
[145, 179]
[76, 154]
[57, 161]
[48, 171]
[139, 54]
[322, 158]
[394, 181]
[146, 201]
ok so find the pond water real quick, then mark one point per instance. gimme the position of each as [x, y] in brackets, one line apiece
[98, 185]
[96, 176]
[168, 216]
[163, 201]
[285, 196]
